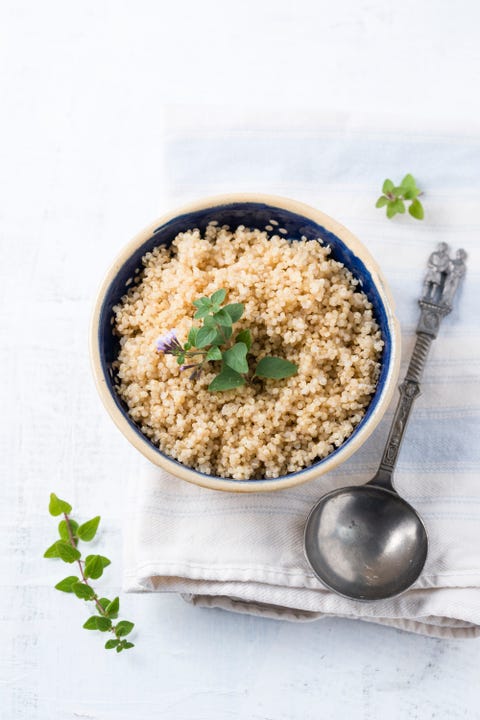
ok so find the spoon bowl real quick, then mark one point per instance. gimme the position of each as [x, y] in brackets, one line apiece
[365, 543]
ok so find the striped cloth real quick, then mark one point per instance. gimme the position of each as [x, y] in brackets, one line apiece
[244, 552]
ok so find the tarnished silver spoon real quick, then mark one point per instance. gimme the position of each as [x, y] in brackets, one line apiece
[366, 542]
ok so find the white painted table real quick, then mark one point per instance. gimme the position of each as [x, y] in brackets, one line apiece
[82, 87]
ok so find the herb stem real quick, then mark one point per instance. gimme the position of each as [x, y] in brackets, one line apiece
[79, 563]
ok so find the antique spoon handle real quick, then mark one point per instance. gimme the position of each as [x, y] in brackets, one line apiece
[443, 277]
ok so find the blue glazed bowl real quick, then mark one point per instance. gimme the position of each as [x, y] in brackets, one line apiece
[256, 211]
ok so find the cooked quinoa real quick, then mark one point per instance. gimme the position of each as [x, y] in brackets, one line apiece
[299, 304]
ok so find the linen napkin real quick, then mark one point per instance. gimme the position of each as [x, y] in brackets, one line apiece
[244, 552]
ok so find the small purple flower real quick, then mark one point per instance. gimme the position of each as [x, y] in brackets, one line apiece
[168, 343]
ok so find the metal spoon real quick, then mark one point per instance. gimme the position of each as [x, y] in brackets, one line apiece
[366, 542]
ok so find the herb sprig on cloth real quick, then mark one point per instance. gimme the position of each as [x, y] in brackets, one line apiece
[395, 198]
[212, 343]
[66, 549]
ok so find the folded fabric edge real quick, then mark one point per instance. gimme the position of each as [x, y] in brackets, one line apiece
[425, 626]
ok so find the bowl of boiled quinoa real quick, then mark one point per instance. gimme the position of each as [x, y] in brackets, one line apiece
[245, 343]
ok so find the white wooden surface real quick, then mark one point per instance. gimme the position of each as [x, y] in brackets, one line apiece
[82, 87]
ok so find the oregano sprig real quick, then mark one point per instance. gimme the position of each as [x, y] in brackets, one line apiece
[211, 342]
[91, 568]
[395, 198]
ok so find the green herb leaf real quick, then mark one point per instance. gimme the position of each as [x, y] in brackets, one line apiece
[223, 318]
[205, 336]
[235, 310]
[103, 623]
[399, 206]
[408, 182]
[104, 602]
[87, 530]
[245, 337]
[181, 359]
[275, 367]
[227, 379]
[57, 506]
[236, 357]
[128, 645]
[391, 209]
[124, 627]
[218, 296]
[66, 585]
[119, 648]
[66, 552]
[416, 210]
[110, 644]
[203, 301]
[382, 200]
[201, 312]
[112, 608]
[63, 529]
[52, 551]
[387, 186]
[94, 565]
[222, 336]
[213, 354]
[192, 336]
[82, 591]
[91, 623]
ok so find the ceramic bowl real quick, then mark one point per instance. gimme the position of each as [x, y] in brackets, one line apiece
[256, 211]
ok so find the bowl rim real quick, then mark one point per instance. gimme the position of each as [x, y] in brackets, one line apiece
[156, 456]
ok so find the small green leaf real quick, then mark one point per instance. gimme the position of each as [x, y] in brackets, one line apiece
[203, 301]
[209, 322]
[201, 313]
[387, 186]
[382, 200]
[235, 310]
[66, 585]
[52, 551]
[275, 367]
[218, 296]
[57, 506]
[110, 644]
[416, 210]
[192, 336]
[112, 608]
[408, 182]
[88, 529]
[66, 552]
[399, 206]
[124, 627]
[187, 346]
[245, 337]
[82, 591]
[391, 209]
[91, 623]
[205, 336]
[181, 359]
[94, 565]
[119, 648]
[128, 645]
[222, 336]
[104, 602]
[227, 379]
[213, 354]
[222, 317]
[63, 529]
[236, 357]
[103, 623]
